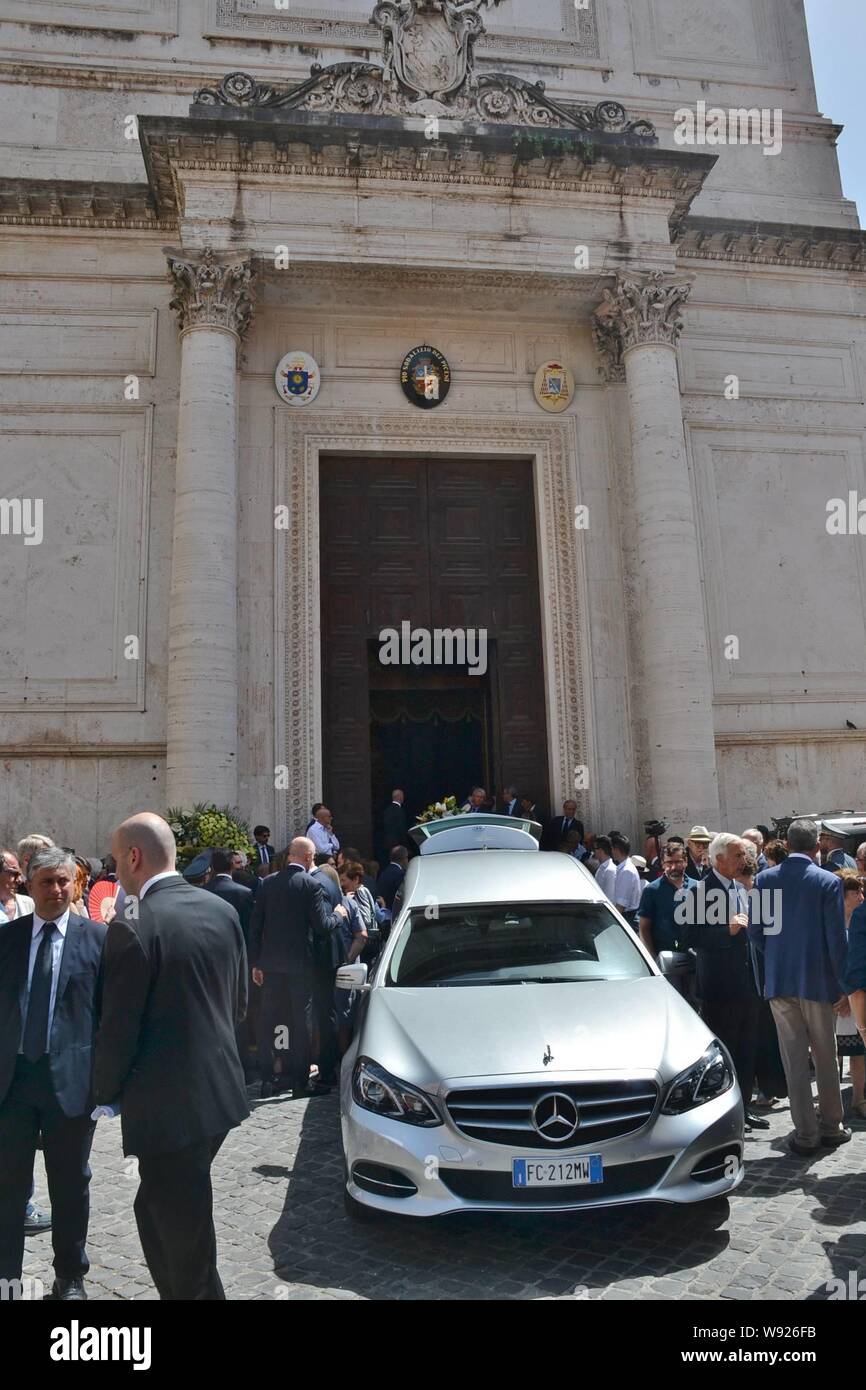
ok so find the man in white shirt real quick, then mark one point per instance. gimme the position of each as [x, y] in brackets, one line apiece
[605, 875]
[628, 886]
[322, 834]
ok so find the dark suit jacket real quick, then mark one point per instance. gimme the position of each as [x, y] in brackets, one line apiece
[239, 897]
[293, 931]
[388, 882]
[73, 1026]
[264, 854]
[556, 831]
[394, 826]
[725, 968]
[175, 988]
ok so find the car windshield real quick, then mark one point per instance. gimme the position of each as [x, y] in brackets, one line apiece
[527, 943]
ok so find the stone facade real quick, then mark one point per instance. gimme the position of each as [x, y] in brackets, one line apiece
[146, 302]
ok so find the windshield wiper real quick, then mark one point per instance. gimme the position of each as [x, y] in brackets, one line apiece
[562, 980]
[457, 984]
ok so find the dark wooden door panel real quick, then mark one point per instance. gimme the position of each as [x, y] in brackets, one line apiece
[438, 543]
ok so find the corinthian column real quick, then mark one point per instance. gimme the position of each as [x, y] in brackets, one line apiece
[637, 328]
[213, 300]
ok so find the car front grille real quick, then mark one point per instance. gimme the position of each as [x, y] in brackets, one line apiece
[625, 1180]
[503, 1115]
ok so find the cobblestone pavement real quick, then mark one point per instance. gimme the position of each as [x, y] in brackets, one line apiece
[794, 1224]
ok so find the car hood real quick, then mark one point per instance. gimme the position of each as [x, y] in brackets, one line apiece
[435, 1036]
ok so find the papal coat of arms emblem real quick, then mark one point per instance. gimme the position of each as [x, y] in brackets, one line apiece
[553, 386]
[298, 378]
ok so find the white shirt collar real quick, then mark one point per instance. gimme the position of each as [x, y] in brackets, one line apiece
[798, 855]
[61, 923]
[166, 873]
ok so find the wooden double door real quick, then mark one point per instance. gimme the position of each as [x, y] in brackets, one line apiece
[438, 543]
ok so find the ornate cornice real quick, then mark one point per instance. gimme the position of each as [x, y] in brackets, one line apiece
[640, 309]
[772, 243]
[321, 145]
[212, 293]
[362, 89]
[69, 203]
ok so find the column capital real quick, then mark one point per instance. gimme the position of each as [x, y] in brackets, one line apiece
[212, 291]
[641, 308]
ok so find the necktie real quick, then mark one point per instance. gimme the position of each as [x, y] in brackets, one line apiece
[36, 1025]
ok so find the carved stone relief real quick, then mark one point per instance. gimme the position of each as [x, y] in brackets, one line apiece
[639, 309]
[212, 293]
[428, 68]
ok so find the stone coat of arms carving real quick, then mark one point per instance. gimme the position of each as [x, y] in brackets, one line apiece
[429, 43]
[427, 68]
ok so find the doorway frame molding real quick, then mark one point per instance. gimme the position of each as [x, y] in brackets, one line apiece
[300, 440]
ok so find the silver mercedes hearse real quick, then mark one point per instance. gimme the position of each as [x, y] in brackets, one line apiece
[517, 1047]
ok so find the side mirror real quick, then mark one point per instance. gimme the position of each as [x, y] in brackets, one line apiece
[676, 963]
[352, 976]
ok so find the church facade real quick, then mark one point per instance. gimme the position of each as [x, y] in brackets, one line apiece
[331, 329]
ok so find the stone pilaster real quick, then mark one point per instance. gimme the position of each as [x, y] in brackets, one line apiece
[636, 329]
[213, 301]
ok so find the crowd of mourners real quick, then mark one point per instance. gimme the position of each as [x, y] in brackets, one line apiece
[125, 990]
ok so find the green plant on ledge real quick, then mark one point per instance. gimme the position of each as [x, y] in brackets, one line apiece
[208, 827]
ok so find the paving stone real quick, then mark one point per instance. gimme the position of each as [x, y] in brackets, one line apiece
[283, 1234]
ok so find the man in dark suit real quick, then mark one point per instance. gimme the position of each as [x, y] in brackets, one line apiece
[561, 827]
[292, 940]
[394, 826]
[241, 899]
[50, 964]
[264, 851]
[392, 876]
[715, 916]
[510, 801]
[175, 989]
[222, 883]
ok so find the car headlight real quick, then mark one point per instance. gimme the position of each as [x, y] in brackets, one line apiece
[376, 1089]
[710, 1077]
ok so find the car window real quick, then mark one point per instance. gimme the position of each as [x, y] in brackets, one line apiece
[528, 943]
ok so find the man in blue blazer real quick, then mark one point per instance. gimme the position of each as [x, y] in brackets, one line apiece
[798, 922]
[50, 971]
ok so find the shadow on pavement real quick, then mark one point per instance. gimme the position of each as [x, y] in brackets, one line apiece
[473, 1255]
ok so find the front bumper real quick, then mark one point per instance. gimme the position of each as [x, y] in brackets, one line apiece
[401, 1168]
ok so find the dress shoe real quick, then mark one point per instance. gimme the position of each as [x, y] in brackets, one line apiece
[832, 1141]
[35, 1222]
[755, 1122]
[804, 1150]
[268, 1089]
[68, 1290]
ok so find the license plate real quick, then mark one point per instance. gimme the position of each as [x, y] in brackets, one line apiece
[556, 1172]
